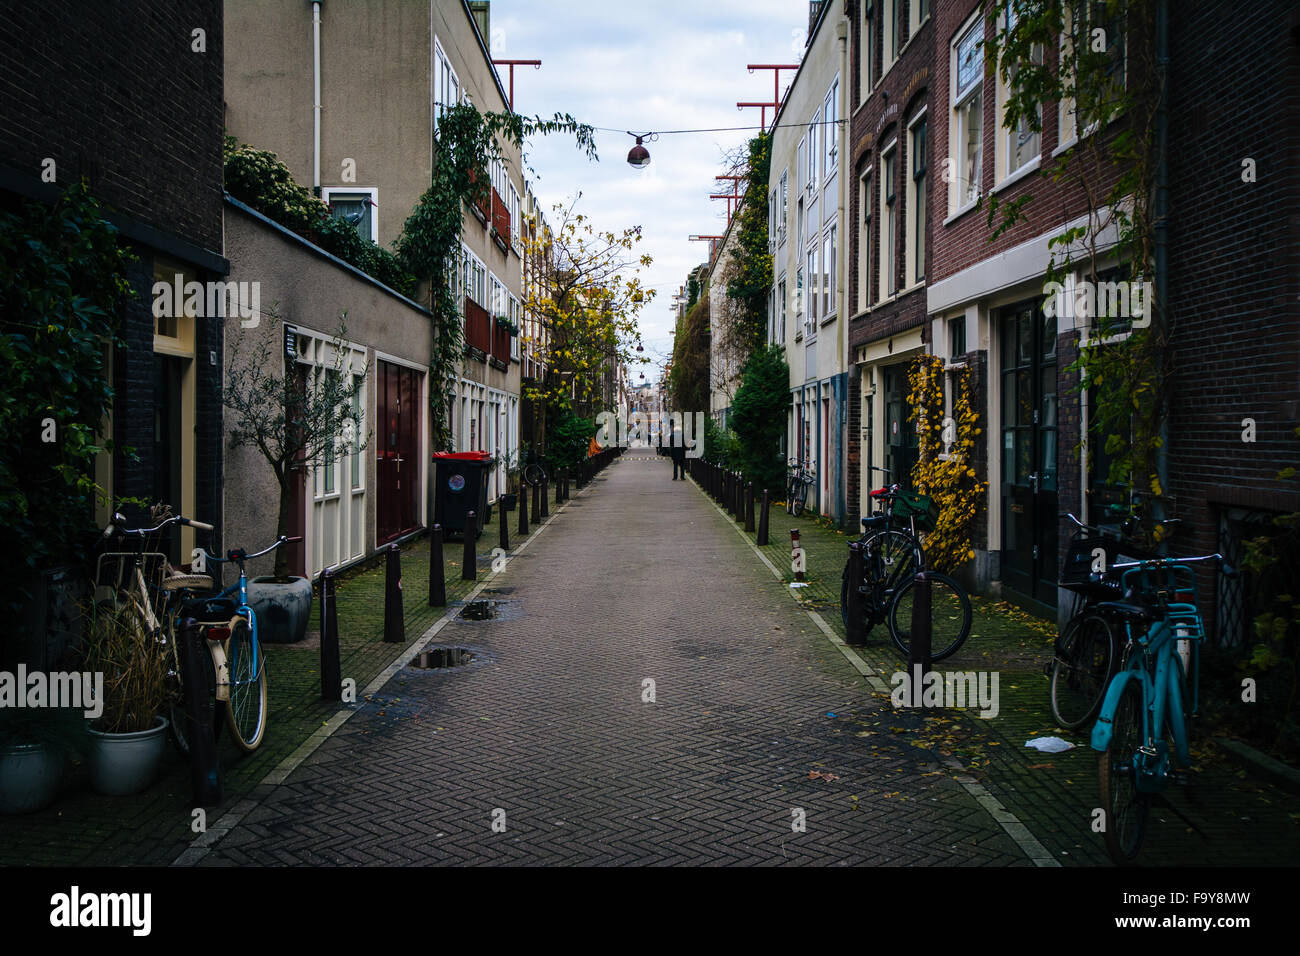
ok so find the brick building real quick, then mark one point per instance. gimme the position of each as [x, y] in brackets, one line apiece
[129, 96]
[889, 204]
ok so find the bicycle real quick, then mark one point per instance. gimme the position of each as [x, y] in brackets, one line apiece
[1143, 729]
[241, 667]
[797, 484]
[891, 560]
[145, 584]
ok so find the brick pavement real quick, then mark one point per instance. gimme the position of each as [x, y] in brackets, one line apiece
[756, 716]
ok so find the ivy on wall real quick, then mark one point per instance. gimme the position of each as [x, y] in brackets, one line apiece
[945, 464]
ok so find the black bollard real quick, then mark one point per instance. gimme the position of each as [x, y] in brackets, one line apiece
[546, 495]
[523, 513]
[331, 671]
[200, 712]
[437, 576]
[855, 574]
[469, 569]
[749, 506]
[762, 520]
[537, 505]
[504, 541]
[394, 621]
[918, 647]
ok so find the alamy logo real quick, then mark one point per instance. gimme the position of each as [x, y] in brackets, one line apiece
[213, 300]
[74, 908]
[1103, 300]
[73, 690]
[955, 689]
[674, 430]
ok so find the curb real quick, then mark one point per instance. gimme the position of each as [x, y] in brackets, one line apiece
[1260, 764]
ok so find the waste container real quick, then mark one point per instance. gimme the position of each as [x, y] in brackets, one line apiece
[461, 479]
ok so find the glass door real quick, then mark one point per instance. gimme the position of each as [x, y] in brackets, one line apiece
[1029, 471]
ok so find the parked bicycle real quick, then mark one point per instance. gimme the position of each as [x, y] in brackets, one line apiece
[143, 589]
[1144, 727]
[798, 481]
[892, 555]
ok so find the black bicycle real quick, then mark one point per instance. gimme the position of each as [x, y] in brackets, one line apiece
[892, 556]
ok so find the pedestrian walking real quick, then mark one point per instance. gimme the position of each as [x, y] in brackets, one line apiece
[677, 448]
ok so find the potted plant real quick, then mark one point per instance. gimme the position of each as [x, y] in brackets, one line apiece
[35, 745]
[128, 738]
[296, 420]
[505, 323]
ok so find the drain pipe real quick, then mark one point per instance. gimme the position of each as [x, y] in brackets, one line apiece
[1161, 230]
[316, 108]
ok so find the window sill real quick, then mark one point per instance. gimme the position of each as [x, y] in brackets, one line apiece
[829, 319]
[1019, 174]
[1065, 147]
[961, 212]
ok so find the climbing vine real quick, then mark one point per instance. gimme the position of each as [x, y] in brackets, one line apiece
[945, 465]
[749, 277]
[429, 247]
[1097, 58]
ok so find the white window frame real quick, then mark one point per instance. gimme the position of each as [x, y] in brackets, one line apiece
[914, 18]
[782, 296]
[959, 200]
[888, 258]
[865, 223]
[830, 137]
[442, 68]
[814, 158]
[830, 260]
[784, 208]
[866, 16]
[372, 191]
[913, 269]
[1004, 148]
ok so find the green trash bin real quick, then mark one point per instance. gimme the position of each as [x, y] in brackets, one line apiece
[461, 479]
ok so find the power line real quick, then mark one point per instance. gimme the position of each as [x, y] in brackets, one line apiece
[715, 129]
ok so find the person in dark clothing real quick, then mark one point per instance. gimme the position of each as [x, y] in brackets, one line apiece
[677, 449]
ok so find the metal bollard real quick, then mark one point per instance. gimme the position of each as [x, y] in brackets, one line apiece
[205, 768]
[394, 620]
[762, 520]
[437, 575]
[749, 506]
[546, 496]
[331, 670]
[855, 573]
[469, 562]
[504, 536]
[523, 513]
[918, 646]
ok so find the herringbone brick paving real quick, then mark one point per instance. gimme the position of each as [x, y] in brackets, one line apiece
[756, 722]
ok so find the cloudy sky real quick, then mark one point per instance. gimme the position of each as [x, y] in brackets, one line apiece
[652, 65]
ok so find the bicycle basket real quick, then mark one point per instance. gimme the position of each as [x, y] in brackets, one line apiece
[922, 508]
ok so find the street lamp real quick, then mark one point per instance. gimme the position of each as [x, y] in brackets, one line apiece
[638, 157]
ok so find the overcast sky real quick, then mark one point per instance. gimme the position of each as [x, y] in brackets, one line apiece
[653, 65]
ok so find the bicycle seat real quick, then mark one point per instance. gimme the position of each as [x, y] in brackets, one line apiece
[1131, 610]
[874, 521]
[208, 610]
[190, 582]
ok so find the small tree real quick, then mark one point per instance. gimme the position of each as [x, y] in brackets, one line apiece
[294, 418]
[758, 417]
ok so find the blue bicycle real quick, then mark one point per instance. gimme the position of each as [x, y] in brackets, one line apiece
[1143, 728]
[239, 666]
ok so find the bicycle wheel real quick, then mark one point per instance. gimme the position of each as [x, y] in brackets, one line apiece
[246, 709]
[950, 615]
[1084, 662]
[1126, 807]
[890, 556]
[797, 497]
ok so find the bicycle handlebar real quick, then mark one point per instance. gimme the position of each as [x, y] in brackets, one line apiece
[118, 519]
[1156, 563]
[238, 554]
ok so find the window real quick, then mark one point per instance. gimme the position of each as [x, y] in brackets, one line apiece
[968, 117]
[446, 86]
[802, 163]
[780, 311]
[1019, 146]
[830, 283]
[916, 202]
[890, 11]
[798, 302]
[888, 221]
[514, 216]
[830, 112]
[1095, 31]
[957, 337]
[814, 291]
[864, 244]
[866, 52]
[517, 318]
[798, 236]
[813, 158]
[355, 206]
[498, 305]
[782, 208]
[920, 9]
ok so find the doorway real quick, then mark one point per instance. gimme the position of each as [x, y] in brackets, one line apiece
[397, 403]
[1029, 469]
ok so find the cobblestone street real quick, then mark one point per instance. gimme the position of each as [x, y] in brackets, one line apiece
[640, 579]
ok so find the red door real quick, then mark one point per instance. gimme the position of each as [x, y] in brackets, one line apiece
[397, 449]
